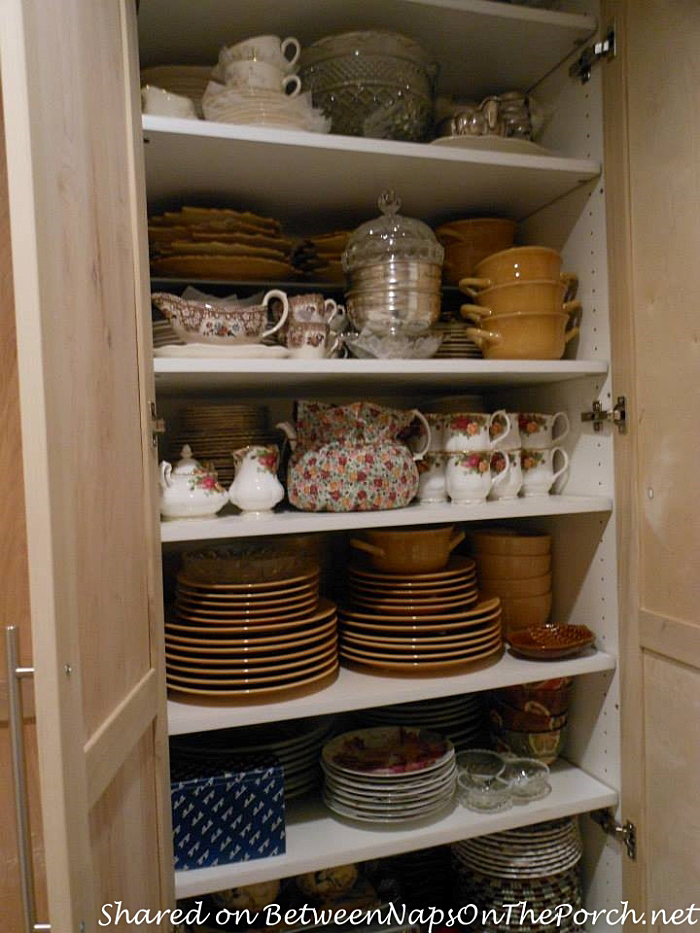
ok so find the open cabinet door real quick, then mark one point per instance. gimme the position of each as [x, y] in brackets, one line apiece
[652, 125]
[80, 268]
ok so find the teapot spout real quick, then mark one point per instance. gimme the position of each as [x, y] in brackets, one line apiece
[170, 305]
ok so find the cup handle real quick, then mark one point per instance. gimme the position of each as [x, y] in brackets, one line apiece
[469, 312]
[574, 332]
[291, 43]
[424, 421]
[486, 336]
[474, 283]
[565, 419]
[276, 293]
[330, 350]
[570, 282]
[558, 473]
[573, 309]
[366, 546]
[455, 540]
[501, 412]
[331, 308]
[500, 477]
[293, 82]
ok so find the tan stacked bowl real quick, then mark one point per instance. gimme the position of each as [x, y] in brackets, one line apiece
[467, 242]
[521, 304]
[517, 568]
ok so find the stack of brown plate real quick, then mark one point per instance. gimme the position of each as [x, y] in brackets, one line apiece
[318, 257]
[254, 639]
[419, 622]
[455, 344]
[218, 243]
[214, 431]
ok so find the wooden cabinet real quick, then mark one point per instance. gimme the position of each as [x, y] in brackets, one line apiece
[78, 187]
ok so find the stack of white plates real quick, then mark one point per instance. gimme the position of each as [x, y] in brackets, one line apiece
[187, 80]
[537, 864]
[226, 104]
[458, 718]
[389, 774]
[297, 744]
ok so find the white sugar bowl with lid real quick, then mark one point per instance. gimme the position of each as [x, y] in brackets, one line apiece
[394, 270]
[189, 490]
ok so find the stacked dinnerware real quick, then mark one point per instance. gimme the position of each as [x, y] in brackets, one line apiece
[470, 240]
[184, 80]
[218, 243]
[319, 256]
[459, 718]
[297, 744]
[536, 864]
[516, 567]
[531, 719]
[388, 774]
[255, 84]
[412, 608]
[262, 636]
[523, 305]
[215, 430]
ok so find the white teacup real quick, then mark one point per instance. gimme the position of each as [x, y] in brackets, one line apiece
[270, 49]
[161, 103]
[468, 476]
[504, 437]
[311, 340]
[252, 75]
[313, 307]
[471, 430]
[537, 430]
[510, 487]
[539, 474]
[431, 475]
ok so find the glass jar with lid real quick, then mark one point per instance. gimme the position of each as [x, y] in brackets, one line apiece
[394, 268]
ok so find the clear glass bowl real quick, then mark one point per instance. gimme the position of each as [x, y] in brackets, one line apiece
[528, 778]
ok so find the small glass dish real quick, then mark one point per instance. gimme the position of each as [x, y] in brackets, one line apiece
[489, 796]
[528, 779]
[481, 765]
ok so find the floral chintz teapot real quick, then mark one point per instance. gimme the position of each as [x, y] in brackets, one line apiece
[189, 490]
[349, 458]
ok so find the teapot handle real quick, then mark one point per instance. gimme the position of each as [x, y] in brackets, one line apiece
[418, 455]
[366, 546]
[166, 470]
[288, 430]
[276, 293]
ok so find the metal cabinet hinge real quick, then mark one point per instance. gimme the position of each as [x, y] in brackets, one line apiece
[626, 832]
[605, 50]
[600, 416]
[157, 424]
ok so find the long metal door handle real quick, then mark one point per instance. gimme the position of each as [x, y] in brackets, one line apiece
[15, 676]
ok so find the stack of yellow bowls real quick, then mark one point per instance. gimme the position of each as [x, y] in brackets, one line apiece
[517, 568]
[522, 304]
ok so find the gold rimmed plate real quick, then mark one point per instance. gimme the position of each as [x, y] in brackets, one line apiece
[259, 645]
[481, 609]
[456, 566]
[252, 585]
[262, 692]
[255, 610]
[287, 677]
[394, 625]
[415, 607]
[409, 652]
[215, 667]
[419, 645]
[419, 667]
[204, 598]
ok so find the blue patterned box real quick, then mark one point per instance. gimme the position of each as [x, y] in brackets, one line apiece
[226, 809]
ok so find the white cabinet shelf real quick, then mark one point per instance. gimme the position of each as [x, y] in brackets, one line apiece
[316, 839]
[301, 177]
[174, 375]
[354, 690]
[293, 522]
[482, 48]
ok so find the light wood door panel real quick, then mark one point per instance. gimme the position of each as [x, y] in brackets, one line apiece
[77, 222]
[653, 192]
